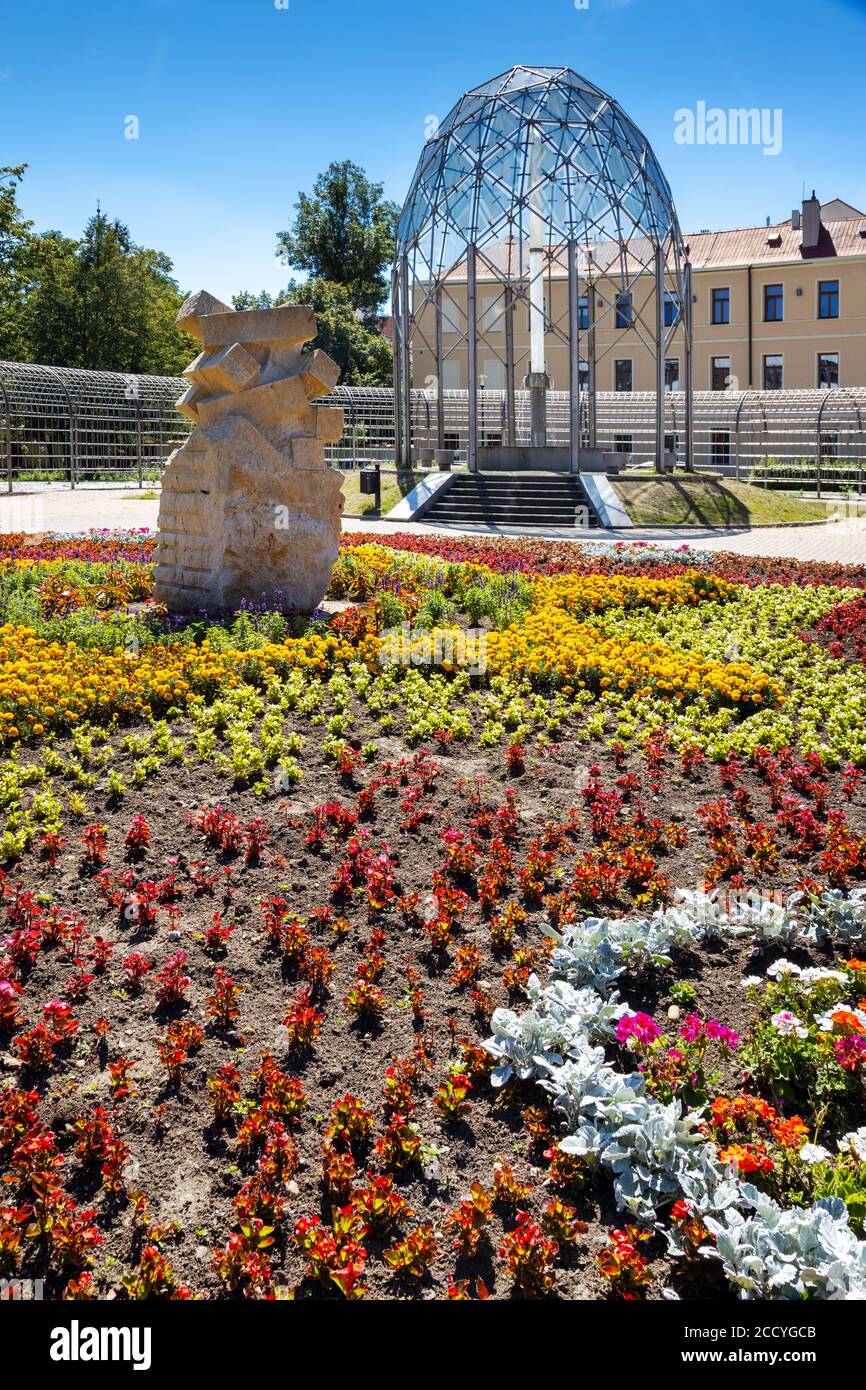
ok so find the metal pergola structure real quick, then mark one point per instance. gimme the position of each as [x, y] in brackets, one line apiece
[807, 434]
[534, 174]
[64, 424]
[83, 427]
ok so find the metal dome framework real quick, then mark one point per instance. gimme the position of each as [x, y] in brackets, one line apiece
[534, 175]
[83, 426]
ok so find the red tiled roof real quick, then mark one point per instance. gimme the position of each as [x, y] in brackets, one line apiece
[774, 245]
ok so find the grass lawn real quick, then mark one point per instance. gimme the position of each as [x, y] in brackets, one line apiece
[694, 501]
[395, 484]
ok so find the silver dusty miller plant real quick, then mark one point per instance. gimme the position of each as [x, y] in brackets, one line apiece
[657, 1153]
[774, 1253]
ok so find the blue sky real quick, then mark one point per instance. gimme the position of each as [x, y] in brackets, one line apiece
[241, 103]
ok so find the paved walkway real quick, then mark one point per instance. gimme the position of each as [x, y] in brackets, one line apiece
[86, 509]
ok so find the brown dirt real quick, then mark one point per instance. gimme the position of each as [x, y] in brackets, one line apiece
[187, 1166]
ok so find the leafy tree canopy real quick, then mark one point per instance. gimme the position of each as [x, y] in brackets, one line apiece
[14, 234]
[361, 352]
[100, 301]
[344, 233]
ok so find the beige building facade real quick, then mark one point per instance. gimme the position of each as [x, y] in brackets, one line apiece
[774, 308]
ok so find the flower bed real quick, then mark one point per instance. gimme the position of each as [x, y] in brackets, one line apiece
[499, 932]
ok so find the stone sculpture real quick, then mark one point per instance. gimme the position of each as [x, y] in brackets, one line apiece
[249, 507]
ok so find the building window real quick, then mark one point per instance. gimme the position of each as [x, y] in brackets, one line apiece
[491, 320]
[672, 374]
[672, 314]
[583, 376]
[451, 315]
[583, 314]
[774, 303]
[721, 306]
[828, 299]
[451, 374]
[623, 443]
[720, 448]
[622, 374]
[493, 373]
[672, 444]
[774, 372]
[720, 373]
[623, 311]
[828, 370]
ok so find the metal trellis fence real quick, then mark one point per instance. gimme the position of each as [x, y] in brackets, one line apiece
[61, 424]
[64, 426]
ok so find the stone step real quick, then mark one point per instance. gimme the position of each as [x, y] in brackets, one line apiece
[519, 508]
[560, 523]
[513, 501]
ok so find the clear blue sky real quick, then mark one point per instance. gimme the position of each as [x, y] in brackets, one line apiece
[241, 104]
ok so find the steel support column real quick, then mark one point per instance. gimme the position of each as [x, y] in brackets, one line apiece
[688, 319]
[573, 358]
[8, 438]
[510, 410]
[660, 357]
[590, 339]
[406, 331]
[398, 367]
[440, 367]
[139, 445]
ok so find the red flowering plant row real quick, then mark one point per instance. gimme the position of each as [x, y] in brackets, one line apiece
[526, 555]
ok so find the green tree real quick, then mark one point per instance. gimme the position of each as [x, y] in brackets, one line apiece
[49, 311]
[100, 301]
[361, 352]
[126, 304]
[344, 233]
[14, 237]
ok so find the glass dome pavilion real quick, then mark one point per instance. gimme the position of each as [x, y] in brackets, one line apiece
[536, 176]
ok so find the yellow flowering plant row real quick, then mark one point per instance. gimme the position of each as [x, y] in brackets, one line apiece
[551, 648]
[51, 685]
[596, 593]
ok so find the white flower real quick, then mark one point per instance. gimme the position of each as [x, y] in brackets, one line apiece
[816, 974]
[788, 1023]
[783, 967]
[814, 1153]
[854, 1143]
[750, 980]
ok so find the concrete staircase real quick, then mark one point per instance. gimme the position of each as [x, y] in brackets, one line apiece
[532, 501]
